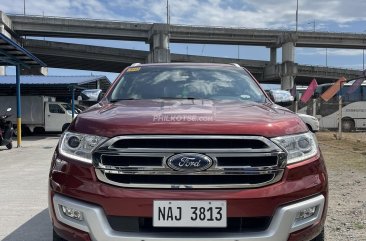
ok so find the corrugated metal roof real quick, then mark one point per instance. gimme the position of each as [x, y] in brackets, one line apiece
[49, 80]
[12, 53]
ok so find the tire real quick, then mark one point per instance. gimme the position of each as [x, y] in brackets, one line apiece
[348, 125]
[320, 237]
[10, 145]
[309, 127]
[56, 237]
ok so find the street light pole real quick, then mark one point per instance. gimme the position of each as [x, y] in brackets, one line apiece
[297, 14]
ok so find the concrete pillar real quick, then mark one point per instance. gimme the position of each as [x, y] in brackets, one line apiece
[159, 44]
[5, 23]
[288, 68]
[273, 56]
[3, 31]
[288, 52]
[2, 71]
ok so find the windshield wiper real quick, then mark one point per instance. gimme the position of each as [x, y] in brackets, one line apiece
[177, 98]
[121, 99]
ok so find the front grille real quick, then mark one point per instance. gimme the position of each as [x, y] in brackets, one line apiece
[126, 161]
[142, 161]
[192, 180]
[252, 161]
[140, 224]
[181, 143]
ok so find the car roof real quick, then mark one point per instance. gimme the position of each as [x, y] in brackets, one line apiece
[187, 64]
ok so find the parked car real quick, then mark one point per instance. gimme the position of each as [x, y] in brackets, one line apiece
[188, 152]
[311, 122]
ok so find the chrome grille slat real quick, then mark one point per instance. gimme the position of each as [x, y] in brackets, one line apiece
[128, 172]
[166, 172]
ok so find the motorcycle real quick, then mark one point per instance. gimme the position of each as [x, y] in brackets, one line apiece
[6, 131]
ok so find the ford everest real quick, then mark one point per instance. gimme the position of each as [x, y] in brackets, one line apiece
[186, 152]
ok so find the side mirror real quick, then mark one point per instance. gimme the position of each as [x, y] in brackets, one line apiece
[281, 97]
[9, 109]
[94, 95]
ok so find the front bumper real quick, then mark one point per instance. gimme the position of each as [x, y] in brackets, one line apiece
[96, 224]
[75, 183]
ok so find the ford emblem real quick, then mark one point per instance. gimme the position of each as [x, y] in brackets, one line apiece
[189, 162]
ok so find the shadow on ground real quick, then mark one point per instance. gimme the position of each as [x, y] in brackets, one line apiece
[40, 137]
[38, 228]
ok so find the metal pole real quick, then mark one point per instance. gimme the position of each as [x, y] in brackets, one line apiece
[19, 108]
[340, 118]
[167, 11]
[363, 59]
[296, 106]
[326, 57]
[297, 14]
[73, 101]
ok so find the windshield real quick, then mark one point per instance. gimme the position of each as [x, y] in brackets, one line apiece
[180, 82]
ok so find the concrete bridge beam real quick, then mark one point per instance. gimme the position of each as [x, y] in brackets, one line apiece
[34, 71]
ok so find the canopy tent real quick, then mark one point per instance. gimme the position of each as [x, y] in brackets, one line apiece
[12, 54]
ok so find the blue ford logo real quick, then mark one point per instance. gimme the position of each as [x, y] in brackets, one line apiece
[189, 162]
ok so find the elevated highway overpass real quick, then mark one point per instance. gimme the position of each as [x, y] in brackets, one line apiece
[96, 58]
[76, 56]
[106, 29]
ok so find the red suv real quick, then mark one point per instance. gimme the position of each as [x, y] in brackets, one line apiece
[185, 152]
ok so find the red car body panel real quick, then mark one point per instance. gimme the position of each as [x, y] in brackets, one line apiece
[221, 117]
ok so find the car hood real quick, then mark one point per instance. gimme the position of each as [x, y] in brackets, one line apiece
[207, 117]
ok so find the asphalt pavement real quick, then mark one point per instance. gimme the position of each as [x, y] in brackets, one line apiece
[23, 190]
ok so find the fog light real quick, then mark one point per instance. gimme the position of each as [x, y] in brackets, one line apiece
[72, 213]
[306, 213]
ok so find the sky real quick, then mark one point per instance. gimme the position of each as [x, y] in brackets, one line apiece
[318, 15]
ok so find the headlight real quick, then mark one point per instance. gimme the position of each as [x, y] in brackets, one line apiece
[79, 146]
[298, 147]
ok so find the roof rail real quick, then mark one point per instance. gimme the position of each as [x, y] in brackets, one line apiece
[236, 65]
[135, 64]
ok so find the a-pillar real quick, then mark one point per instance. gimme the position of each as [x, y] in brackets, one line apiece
[289, 68]
[159, 44]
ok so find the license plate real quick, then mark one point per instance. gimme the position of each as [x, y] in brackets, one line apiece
[189, 214]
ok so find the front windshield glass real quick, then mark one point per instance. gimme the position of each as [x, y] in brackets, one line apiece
[180, 82]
